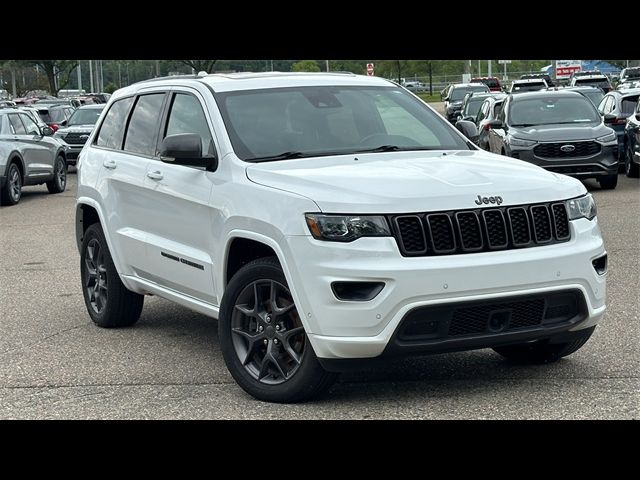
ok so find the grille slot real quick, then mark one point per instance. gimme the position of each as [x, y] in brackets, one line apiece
[541, 223]
[74, 138]
[475, 320]
[412, 235]
[555, 150]
[441, 233]
[478, 230]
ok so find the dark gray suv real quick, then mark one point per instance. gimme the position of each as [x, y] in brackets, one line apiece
[560, 131]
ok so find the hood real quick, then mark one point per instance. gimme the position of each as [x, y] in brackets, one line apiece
[403, 182]
[77, 129]
[560, 132]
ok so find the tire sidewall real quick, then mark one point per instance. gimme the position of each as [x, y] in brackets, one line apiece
[59, 187]
[14, 201]
[309, 366]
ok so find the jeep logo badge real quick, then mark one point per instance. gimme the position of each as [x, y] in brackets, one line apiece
[567, 148]
[487, 200]
[84, 137]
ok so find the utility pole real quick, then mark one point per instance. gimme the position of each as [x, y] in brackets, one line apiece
[119, 76]
[101, 78]
[479, 69]
[327, 64]
[489, 68]
[79, 72]
[431, 79]
[91, 76]
[272, 65]
[13, 81]
[157, 68]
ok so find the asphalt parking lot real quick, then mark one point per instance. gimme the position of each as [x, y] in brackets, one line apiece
[54, 363]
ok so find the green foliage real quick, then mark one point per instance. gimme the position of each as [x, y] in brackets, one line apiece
[305, 66]
[110, 87]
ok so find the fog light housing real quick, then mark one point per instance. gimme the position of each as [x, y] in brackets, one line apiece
[600, 265]
[356, 291]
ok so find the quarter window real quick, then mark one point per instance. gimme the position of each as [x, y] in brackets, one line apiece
[112, 128]
[187, 116]
[143, 126]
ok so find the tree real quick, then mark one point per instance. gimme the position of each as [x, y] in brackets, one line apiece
[305, 66]
[58, 72]
[200, 65]
[110, 87]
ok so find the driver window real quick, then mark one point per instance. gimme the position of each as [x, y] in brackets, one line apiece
[30, 125]
[187, 116]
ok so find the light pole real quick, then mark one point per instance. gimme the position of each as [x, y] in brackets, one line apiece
[79, 72]
[327, 64]
[91, 77]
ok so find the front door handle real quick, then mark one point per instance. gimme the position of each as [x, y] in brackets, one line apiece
[110, 164]
[155, 175]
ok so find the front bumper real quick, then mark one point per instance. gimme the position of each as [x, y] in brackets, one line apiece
[602, 164]
[363, 329]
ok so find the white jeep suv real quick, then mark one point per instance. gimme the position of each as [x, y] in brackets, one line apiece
[328, 220]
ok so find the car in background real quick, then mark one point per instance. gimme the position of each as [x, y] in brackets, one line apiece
[492, 82]
[4, 95]
[629, 75]
[454, 97]
[33, 113]
[415, 86]
[615, 107]
[594, 94]
[78, 128]
[471, 105]
[545, 76]
[488, 112]
[595, 80]
[100, 97]
[632, 144]
[54, 115]
[29, 155]
[528, 85]
[7, 104]
[628, 85]
[560, 131]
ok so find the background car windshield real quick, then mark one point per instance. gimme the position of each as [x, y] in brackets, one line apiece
[544, 111]
[595, 96]
[459, 93]
[325, 120]
[87, 116]
[473, 105]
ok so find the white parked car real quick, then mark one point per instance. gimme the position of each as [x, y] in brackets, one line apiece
[327, 220]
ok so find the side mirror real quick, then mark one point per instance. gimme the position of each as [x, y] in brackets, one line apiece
[47, 131]
[445, 99]
[185, 149]
[468, 129]
[495, 124]
[63, 123]
[609, 118]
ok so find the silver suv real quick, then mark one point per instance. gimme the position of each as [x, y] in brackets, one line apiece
[29, 155]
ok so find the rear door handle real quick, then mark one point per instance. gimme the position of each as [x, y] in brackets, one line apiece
[155, 175]
[110, 164]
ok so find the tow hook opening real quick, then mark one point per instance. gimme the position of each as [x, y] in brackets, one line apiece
[600, 265]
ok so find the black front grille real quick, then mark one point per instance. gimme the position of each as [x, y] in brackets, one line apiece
[75, 138]
[565, 150]
[491, 317]
[468, 231]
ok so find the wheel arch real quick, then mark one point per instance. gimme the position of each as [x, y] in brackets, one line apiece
[15, 156]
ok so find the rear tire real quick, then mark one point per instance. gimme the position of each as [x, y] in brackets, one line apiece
[59, 181]
[12, 191]
[262, 339]
[608, 182]
[631, 169]
[109, 303]
[545, 352]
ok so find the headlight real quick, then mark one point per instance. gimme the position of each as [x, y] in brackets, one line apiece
[519, 142]
[346, 228]
[608, 138]
[583, 207]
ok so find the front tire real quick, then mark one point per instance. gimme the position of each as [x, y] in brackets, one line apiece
[545, 352]
[262, 339]
[12, 191]
[109, 303]
[59, 181]
[608, 182]
[630, 169]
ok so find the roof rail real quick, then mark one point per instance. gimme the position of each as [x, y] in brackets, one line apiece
[169, 77]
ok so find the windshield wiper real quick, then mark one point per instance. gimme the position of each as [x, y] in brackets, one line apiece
[279, 156]
[394, 148]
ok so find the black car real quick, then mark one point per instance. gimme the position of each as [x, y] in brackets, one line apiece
[471, 105]
[455, 95]
[560, 131]
[616, 106]
[632, 144]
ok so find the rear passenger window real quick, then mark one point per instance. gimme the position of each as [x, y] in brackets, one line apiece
[143, 126]
[112, 129]
[17, 125]
[187, 116]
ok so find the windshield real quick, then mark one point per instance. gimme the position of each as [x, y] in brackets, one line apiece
[545, 111]
[52, 116]
[595, 96]
[85, 116]
[458, 93]
[631, 73]
[294, 122]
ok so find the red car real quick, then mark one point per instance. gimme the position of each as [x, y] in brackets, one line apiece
[492, 82]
